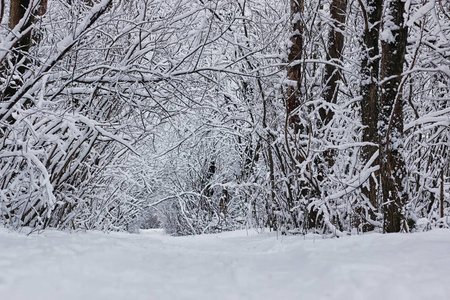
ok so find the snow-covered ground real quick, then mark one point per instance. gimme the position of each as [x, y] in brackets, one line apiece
[236, 265]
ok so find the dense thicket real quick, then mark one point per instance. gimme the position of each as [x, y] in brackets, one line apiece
[202, 116]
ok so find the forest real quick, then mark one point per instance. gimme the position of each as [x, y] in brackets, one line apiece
[329, 117]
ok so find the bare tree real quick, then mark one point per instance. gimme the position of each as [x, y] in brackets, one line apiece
[334, 57]
[370, 105]
[393, 171]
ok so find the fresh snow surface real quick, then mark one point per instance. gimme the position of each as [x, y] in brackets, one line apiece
[234, 265]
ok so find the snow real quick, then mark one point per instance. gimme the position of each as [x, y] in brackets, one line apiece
[235, 265]
[440, 117]
[421, 12]
[97, 10]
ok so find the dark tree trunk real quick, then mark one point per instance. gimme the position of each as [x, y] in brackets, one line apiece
[294, 71]
[331, 77]
[18, 11]
[307, 185]
[42, 8]
[393, 171]
[334, 57]
[18, 8]
[370, 109]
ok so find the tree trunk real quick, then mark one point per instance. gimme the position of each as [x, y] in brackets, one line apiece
[370, 109]
[331, 78]
[393, 171]
[334, 57]
[307, 185]
[294, 71]
[17, 11]
[18, 8]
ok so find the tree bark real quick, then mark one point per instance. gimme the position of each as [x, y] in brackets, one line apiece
[334, 57]
[332, 76]
[19, 9]
[370, 106]
[307, 185]
[294, 71]
[393, 170]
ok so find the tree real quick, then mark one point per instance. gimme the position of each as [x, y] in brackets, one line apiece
[393, 170]
[334, 58]
[426, 97]
[370, 105]
[22, 16]
[217, 114]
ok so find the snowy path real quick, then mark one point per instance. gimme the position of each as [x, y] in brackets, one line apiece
[97, 266]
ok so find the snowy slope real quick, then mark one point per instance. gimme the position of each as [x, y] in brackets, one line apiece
[236, 265]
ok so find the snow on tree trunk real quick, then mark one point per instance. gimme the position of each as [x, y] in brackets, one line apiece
[393, 172]
[370, 106]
